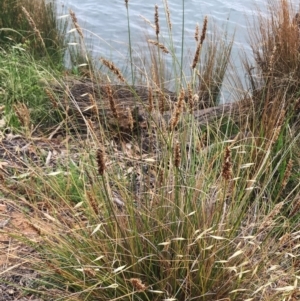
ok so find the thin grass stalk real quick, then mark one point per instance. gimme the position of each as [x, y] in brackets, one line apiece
[129, 40]
[157, 31]
[182, 42]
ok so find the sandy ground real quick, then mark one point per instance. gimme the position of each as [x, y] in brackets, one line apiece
[15, 271]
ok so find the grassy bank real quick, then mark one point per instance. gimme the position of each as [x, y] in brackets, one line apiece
[151, 191]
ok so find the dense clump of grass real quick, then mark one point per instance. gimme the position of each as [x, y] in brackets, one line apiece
[207, 211]
[33, 24]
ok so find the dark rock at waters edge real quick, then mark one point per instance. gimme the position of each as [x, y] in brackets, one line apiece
[84, 98]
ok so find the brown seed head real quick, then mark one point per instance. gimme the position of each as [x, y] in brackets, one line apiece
[33, 26]
[93, 202]
[126, 3]
[159, 45]
[156, 21]
[75, 22]
[204, 29]
[177, 155]
[138, 284]
[100, 156]
[130, 118]
[168, 16]
[52, 98]
[112, 103]
[227, 165]
[197, 33]
[178, 110]
[287, 173]
[190, 98]
[196, 56]
[113, 69]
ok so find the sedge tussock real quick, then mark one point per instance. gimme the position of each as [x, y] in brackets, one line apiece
[33, 26]
[159, 45]
[75, 22]
[111, 66]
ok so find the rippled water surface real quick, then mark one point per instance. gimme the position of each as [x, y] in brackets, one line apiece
[106, 31]
[108, 19]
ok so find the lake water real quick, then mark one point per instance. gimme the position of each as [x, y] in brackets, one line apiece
[106, 31]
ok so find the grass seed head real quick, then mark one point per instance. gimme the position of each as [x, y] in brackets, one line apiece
[113, 69]
[51, 98]
[156, 21]
[112, 102]
[100, 156]
[168, 16]
[33, 26]
[177, 155]
[130, 118]
[178, 110]
[93, 202]
[197, 33]
[227, 165]
[204, 30]
[75, 22]
[138, 284]
[159, 45]
[287, 173]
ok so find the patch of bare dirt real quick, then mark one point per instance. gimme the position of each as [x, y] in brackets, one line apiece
[16, 274]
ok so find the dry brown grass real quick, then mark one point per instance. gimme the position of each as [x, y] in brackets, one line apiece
[275, 79]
